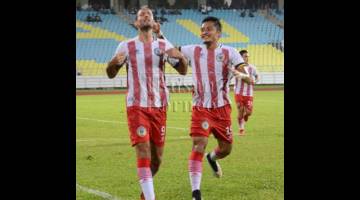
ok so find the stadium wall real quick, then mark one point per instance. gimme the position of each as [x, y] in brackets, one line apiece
[172, 80]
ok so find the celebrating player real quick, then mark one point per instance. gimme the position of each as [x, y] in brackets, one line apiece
[147, 94]
[213, 65]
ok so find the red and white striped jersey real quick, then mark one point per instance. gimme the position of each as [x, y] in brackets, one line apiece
[145, 72]
[243, 88]
[211, 73]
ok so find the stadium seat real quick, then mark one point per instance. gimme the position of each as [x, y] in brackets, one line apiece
[97, 41]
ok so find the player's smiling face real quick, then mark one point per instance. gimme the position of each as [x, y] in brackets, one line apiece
[209, 33]
[145, 19]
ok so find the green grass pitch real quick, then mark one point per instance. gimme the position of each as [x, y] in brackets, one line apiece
[106, 162]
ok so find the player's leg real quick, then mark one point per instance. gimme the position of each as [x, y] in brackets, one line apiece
[221, 129]
[247, 114]
[140, 139]
[157, 137]
[241, 113]
[156, 157]
[195, 164]
[241, 118]
[248, 108]
[143, 154]
[222, 150]
[200, 130]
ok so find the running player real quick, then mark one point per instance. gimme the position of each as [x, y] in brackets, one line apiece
[244, 93]
[213, 65]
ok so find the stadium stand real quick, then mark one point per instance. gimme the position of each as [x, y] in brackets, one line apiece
[97, 41]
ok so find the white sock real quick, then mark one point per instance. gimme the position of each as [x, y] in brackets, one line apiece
[146, 182]
[195, 172]
[242, 124]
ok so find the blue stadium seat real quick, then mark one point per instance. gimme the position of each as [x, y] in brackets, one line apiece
[99, 47]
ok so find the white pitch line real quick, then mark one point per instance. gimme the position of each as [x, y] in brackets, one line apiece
[97, 193]
[118, 122]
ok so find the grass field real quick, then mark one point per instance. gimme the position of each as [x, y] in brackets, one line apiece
[105, 161]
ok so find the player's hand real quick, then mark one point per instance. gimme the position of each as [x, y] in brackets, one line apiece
[241, 76]
[241, 69]
[119, 58]
[156, 28]
[236, 73]
[174, 53]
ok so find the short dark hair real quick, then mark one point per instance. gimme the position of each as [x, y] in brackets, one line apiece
[242, 52]
[216, 21]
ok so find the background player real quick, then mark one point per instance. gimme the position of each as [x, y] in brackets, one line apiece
[244, 93]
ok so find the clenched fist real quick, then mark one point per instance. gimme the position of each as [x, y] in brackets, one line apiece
[174, 53]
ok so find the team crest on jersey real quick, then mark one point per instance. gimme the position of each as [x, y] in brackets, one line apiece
[157, 51]
[205, 125]
[141, 131]
[220, 57]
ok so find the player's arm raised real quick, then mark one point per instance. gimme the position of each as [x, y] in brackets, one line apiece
[180, 66]
[174, 53]
[115, 64]
[157, 31]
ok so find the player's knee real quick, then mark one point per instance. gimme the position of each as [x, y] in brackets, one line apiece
[199, 146]
[143, 147]
[248, 112]
[143, 150]
[225, 151]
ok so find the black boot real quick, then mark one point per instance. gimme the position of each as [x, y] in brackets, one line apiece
[196, 195]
